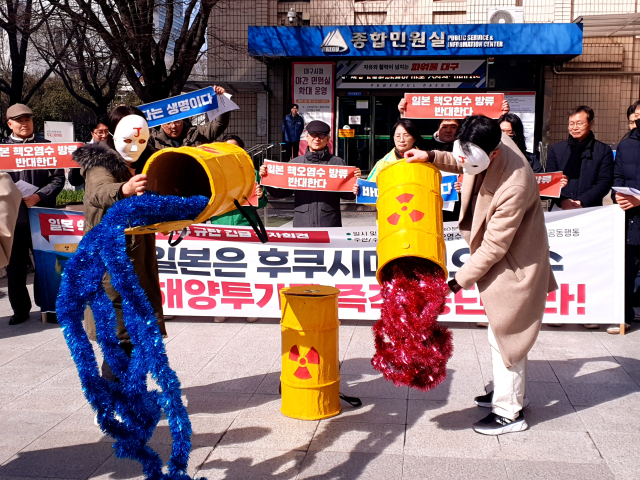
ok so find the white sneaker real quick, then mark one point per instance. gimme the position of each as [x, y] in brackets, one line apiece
[252, 319]
[615, 329]
[494, 424]
[220, 319]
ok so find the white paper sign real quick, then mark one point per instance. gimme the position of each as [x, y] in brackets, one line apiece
[26, 188]
[224, 105]
[354, 119]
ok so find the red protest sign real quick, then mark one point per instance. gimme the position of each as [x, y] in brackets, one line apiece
[37, 156]
[549, 184]
[453, 105]
[329, 178]
[60, 224]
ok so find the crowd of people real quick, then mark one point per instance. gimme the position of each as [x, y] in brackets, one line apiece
[111, 168]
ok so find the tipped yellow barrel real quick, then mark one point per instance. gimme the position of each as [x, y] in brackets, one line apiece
[220, 171]
[410, 214]
[310, 366]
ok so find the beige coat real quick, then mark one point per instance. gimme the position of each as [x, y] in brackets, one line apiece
[507, 238]
[10, 199]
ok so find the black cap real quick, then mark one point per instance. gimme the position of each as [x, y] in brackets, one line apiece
[318, 127]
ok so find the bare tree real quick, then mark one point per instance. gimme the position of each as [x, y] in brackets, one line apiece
[19, 20]
[141, 44]
[90, 72]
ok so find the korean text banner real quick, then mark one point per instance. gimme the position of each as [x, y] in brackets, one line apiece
[453, 105]
[312, 90]
[37, 156]
[180, 107]
[549, 184]
[226, 271]
[329, 178]
[368, 191]
[483, 40]
[55, 235]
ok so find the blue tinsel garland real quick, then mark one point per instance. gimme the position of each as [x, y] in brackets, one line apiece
[138, 410]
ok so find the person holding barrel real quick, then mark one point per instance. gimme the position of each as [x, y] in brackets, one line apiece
[503, 223]
[110, 176]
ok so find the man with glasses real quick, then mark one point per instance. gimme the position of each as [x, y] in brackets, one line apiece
[586, 163]
[100, 129]
[49, 184]
[181, 133]
[314, 208]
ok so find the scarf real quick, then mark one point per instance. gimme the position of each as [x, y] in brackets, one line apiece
[574, 164]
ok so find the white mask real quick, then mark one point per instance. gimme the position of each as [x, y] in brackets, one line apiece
[130, 137]
[474, 162]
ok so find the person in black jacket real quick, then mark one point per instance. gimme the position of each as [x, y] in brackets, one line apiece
[586, 163]
[627, 174]
[511, 124]
[49, 183]
[314, 208]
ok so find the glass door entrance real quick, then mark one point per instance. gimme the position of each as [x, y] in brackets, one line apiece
[355, 113]
[372, 117]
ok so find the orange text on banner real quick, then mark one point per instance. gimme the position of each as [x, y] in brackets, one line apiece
[37, 156]
[329, 178]
[453, 105]
[549, 184]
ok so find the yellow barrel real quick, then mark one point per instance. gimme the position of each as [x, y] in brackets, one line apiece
[310, 366]
[220, 171]
[410, 214]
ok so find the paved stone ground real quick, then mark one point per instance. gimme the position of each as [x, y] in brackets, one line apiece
[584, 413]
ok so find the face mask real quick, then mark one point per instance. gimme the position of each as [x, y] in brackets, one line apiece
[474, 162]
[131, 136]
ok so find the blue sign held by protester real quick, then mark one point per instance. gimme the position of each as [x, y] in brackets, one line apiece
[367, 193]
[180, 107]
[447, 190]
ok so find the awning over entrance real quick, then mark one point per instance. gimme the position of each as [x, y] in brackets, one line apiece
[610, 25]
[556, 41]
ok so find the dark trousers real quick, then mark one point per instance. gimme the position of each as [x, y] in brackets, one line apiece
[631, 269]
[17, 272]
[107, 373]
[291, 150]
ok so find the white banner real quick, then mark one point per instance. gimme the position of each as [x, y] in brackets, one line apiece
[312, 90]
[226, 271]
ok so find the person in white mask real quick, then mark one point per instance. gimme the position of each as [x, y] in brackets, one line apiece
[501, 219]
[109, 170]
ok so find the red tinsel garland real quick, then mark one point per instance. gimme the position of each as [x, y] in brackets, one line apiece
[411, 347]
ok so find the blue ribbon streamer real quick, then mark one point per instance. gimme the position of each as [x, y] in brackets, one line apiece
[127, 410]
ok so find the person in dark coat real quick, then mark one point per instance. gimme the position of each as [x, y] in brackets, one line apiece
[511, 124]
[109, 177]
[181, 133]
[314, 208]
[50, 183]
[292, 128]
[586, 163]
[627, 174]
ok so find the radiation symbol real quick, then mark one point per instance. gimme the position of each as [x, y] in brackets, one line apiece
[312, 358]
[415, 215]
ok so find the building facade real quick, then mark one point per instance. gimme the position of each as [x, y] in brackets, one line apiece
[605, 75]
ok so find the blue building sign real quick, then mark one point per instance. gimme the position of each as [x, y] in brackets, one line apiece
[562, 40]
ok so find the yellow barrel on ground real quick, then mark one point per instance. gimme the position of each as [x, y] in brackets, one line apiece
[310, 377]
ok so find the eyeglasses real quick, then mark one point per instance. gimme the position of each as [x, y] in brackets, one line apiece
[101, 132]
[578, 124]
[402, 136]
[175, 123]
[318, 135]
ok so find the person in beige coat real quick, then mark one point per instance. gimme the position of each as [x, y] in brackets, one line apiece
[10, 200]
[502, 221]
